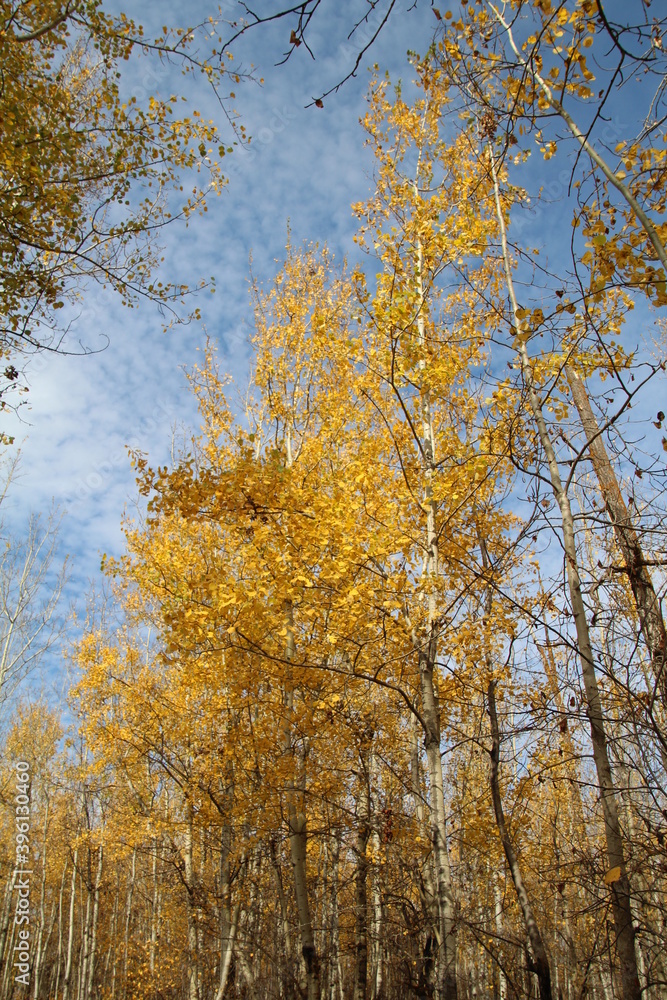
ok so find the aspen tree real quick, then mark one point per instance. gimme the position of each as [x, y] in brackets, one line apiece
[313, 571]
[28, 604]
[648, 606]
[538, 957]
[545, 71]
[280, 480]
[423, 365]
[40, 944]
[67, 982]
[86, 167]
[620, 886]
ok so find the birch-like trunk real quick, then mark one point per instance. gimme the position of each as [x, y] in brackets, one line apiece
[498, 919]
[647, 604]
[427, 876]
[447, 977]
[60, 926]
[538, 958]
[566, 740]
[296, 818]
[155, 907]
[361, 880]
[539, 961]
[227, 951]
[229, 919]
[45, 948]
[70, 939]
[128, 919]
[37, 961]
[298, 842]
[93, 929]
[620, 886]
[336, 976]
[426, 646]
[113, 947]
[190, 901]
[84, 954]
[285, 933]
[376, 889]
[377, 971]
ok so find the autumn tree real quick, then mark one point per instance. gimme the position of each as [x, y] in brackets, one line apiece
[90, 174]
[29, 597]
[604, 313]
[524, 73]
[543, 77]
[376, 716]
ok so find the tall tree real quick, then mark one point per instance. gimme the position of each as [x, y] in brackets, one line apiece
[29, 596]
[90, 174]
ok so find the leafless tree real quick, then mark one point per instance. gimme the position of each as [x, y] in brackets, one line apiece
[30, 592]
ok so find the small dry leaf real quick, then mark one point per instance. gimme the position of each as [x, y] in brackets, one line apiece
[612, 875]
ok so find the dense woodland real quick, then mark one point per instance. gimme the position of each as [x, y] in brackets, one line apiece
[376, 705]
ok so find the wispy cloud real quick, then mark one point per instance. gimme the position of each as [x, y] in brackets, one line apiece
[302, 164]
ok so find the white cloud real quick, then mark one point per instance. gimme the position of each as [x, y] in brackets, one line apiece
[305, 165]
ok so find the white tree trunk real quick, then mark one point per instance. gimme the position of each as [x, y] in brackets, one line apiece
[426, 646]
[297, 832]
[70, 938]
[93, 929]
[128, 919]
[189, 877]
[620, 887]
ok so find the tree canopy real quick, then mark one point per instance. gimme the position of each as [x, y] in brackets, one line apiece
[90, 175]
[378, 705]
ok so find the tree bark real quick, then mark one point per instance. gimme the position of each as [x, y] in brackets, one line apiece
[287, 965]
[426, 646]
[70, 939]
[60, 926]
[38, 958]
[227, 951]
[498, 921]
[648, 607]
[113, 944]
[336, 981]
[539, 961]
[376, 889]
[128, 920]
[297, 833]
[190, 901]
[155, 902]
[86, 928]
[93, 930]
[447, 981]
[620, 887]
[361, 880]
[229, 919]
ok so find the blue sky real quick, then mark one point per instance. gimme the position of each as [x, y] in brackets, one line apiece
[304, 165]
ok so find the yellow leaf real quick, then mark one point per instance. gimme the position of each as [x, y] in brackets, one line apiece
[612, 875]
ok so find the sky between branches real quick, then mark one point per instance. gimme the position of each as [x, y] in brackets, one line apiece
[305, 165]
